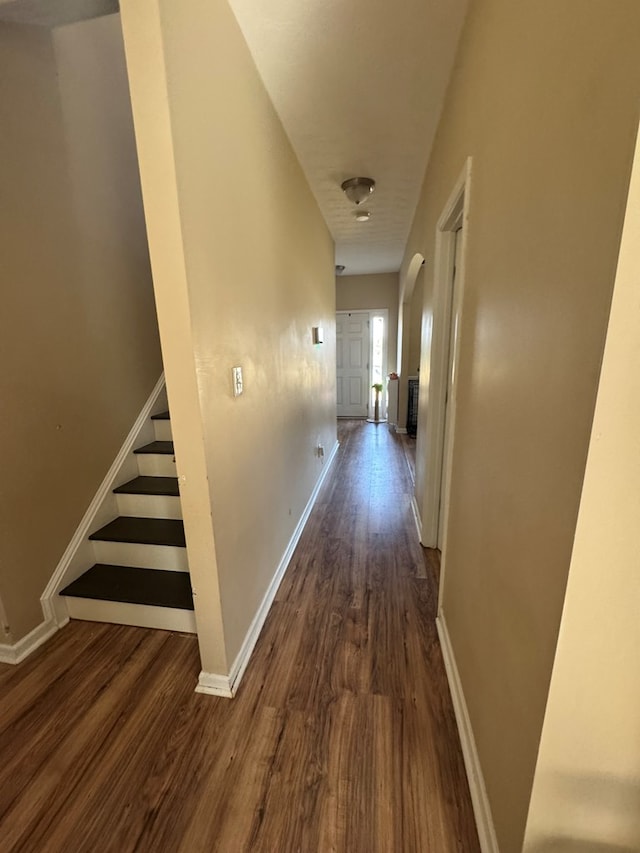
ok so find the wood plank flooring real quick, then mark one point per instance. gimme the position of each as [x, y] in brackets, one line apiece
[342, 737]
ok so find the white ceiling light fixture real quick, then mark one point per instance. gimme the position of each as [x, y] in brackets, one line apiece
[358, 190]
[363, 216]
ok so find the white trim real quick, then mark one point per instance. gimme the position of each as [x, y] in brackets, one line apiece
[384, 403]
[367, 389]
[384, 313]
[227, 685]
[416, 516]
[138, 615]
[400, 430]
[53, 606]
[141, 555]
[214, 685]
[19, 651]
[477, 788]
[446, 316]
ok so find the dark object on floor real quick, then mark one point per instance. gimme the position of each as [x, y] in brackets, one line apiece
[412, 414]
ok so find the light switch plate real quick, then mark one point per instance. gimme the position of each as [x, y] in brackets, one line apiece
[236, 373]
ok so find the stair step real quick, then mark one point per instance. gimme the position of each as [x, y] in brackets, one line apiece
[150, 486]
[156, 464]
[133, 586]
[165, 448]
[162, 431]
[161, 416]
[161, 557]
[143, 531]
[140, 615]
[148, 506]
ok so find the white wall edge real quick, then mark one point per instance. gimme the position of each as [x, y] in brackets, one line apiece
[477, 788]
[23, 648]
[221, 685]
[416, 517]
[53, 606]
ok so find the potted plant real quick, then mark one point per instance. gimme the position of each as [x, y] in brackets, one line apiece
[377, 387]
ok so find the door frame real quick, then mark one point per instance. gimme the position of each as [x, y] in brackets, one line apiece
[384, 313]
[374, 312]
[457, 232]
[446, 321]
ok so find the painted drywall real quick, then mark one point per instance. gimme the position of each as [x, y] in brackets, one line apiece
[411, 340]
[415, 325]
[362, 292]
[78, 334]
[411, 285]
[587, 783]
[243, 268]
[544, 97]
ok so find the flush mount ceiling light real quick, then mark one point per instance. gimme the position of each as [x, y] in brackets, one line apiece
[358, 189]
[363, 216]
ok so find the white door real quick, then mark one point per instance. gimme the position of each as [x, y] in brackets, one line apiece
[352, 363]
[451, 322]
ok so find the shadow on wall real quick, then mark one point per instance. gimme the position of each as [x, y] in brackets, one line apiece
[593, 814]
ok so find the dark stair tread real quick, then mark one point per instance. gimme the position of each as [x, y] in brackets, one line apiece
[150, 486]
[161, 416]
[164, 447]
[143, 531]
[133, 586]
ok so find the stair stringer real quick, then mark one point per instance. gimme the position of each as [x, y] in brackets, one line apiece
[79, 555]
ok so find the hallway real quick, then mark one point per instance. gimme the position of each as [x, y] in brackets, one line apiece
[342, 736]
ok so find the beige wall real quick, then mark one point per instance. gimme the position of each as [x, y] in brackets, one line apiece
[412, 311]
[243, 269]
[411, 286]
[78, 334]
[362, 292]
[587, 783]
[415, 325]
[544, 97]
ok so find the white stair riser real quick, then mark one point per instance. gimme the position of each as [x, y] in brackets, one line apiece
[162, 430]
[142, 615]
[165, 557]
[156, 465]
[149, 506]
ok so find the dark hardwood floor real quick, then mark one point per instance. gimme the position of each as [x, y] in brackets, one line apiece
[342, 736]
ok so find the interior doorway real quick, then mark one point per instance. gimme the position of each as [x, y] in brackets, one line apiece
[361, 361]
[439, 438]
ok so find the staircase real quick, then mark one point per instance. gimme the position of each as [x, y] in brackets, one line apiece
[141, 575]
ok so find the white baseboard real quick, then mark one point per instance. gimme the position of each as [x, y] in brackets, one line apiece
[227, 685]
[76, 559]
[23, 648]
[401, 430]
[416, 517]
[214, 685]
[479, 798]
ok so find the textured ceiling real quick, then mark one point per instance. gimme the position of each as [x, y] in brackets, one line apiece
[359, 86]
